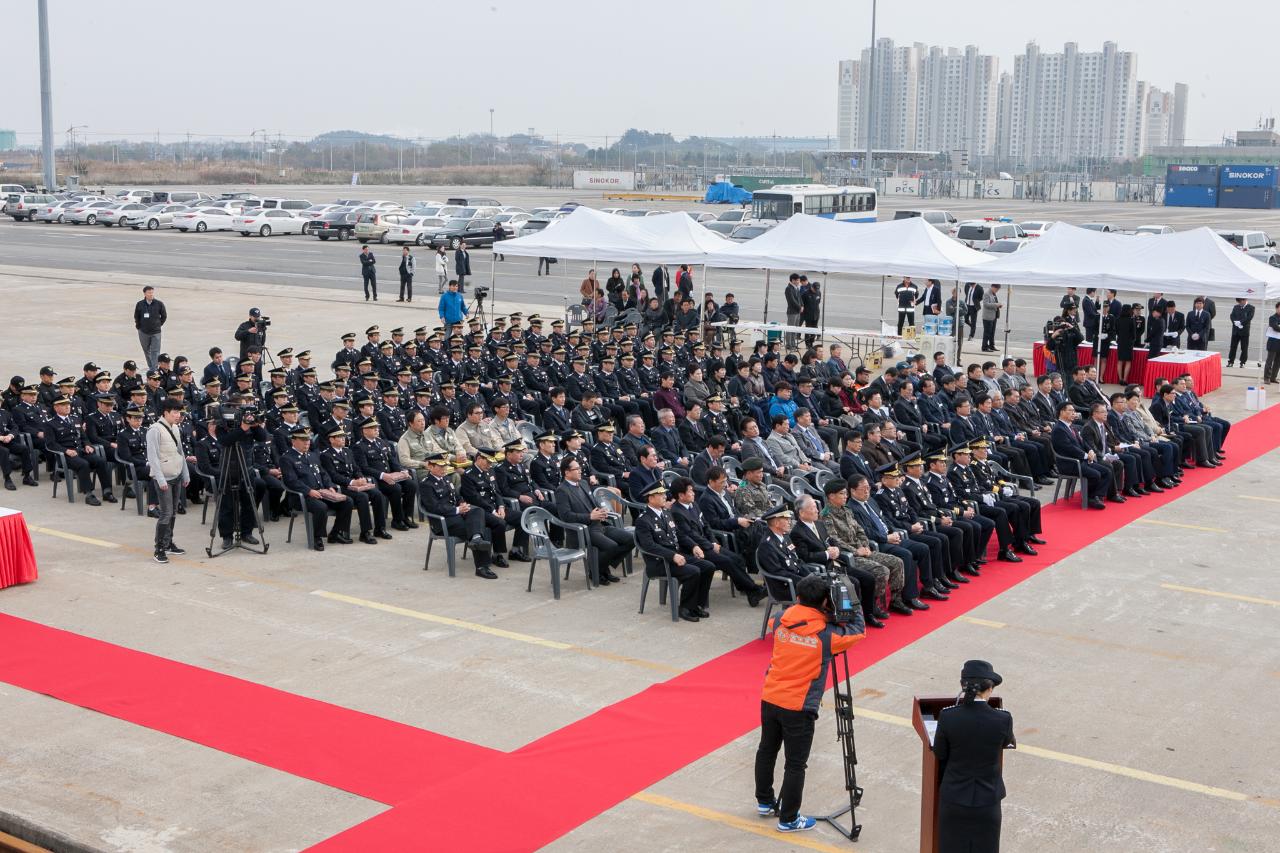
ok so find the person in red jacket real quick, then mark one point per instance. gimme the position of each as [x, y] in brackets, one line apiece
[803, 644]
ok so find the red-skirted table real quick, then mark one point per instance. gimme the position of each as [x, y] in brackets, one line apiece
[17, 557]
[1084, 355]
[1205, 369]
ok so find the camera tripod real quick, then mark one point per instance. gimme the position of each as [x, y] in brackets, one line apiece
[479, 312]
[843, 695]
[233, 454]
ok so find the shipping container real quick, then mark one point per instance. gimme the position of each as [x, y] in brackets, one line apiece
[1200, 175]
[1186, 196]
[1248, 176]
[1253, 198]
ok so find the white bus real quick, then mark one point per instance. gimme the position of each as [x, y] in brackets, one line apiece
[844, 204]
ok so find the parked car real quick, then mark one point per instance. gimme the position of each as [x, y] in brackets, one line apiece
[1035, 228]
[156, 216]
[1007, 245]
[743, 233]
[87, 213]
[314, 213]
[940, 219]
[264, 223]
[205, 219]
[474, 201]
[1146, 230]
[533, 225]
[54, 212]
[737, 217]
[118, 214]
[1254, 243]
[724, 229]
[7, 190]
[339, 222]
[143, 196]
[473, 232]
[636, 211]
[509, 220]
[414, 229]
[374, 224]
[24, 205]
[187, 197]
[980, 233]
[697, 216]
[1104, 227]
[294, 204]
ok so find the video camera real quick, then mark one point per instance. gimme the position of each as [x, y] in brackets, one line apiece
[479, 293]
[843, 609]
[263, 322]
[233, 414]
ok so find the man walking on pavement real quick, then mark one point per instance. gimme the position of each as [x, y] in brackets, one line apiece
[167, 464]
[148, 318]
[369, 273]
[407, 266]
[462, 265]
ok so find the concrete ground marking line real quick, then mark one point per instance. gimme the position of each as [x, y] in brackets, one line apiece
[1178, 524]
[74, 537]
[1091, 763]
[986, 623]
[444, 620]
[1259, 498]
[760, 826]
[1213, 592]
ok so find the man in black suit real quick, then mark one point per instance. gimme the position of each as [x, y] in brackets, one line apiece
[1241, 323]
[659, 539]
[890, 541]
[718, 511]
[1198, 326]
[707, 459]
[1098, 437]
[647, 472]
[575, 506]
[1068, 445]
[972, 302]
[666, 437]
[696, 537]
[815, 546]
[1175, 323]
[931, 297]
[556, 418]
[1155, 331]
[967, 745]
[852, 462]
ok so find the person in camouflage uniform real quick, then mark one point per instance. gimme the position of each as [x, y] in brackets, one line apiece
[752, 500]
[851, 538]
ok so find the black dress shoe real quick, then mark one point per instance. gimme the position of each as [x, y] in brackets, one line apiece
[228, 543]
[917, 604]
[956, 578]
[1036, 540]
[518, 555]
[971, 569]
[1117, 499]
[688, 615]
[399, 525]
[755, 596]
[879, 613]
[92, 500]
[153, 513]
[1024, 548]
[946, 583]
[871, 621]
[1154, 488]
[1008, 556]
[933, 595]
[28, 480]
[382, 534]
[606, 579]
[319, 546]
[501, 561]
[900, 608]
[1045, 481]
[128, 494]
[367, 538]
[703, 613]
[486, 573]
[248, 539]
[181, 510]
[1131, 492]
[110, 498]
[345, 539]
[8, 484]
[1097, 504]
[411, 524]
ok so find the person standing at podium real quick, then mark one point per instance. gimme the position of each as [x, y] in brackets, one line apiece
[968, 743]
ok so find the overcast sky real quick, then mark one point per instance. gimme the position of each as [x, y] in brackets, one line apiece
[577, 68]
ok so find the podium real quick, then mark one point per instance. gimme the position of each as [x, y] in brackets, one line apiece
[924, 718]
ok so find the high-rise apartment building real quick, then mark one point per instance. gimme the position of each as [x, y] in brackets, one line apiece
[1055, 109]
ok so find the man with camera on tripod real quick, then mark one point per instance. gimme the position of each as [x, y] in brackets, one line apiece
[804, 643]
[238, 430]
[252, 332]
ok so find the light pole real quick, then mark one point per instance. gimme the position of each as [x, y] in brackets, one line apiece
[71, 140]
[46, 100]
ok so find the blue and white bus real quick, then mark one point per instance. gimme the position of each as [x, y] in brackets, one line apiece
[844, 204]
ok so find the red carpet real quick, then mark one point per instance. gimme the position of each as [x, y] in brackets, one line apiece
[527, 799]
[360, 753]
[453, 795]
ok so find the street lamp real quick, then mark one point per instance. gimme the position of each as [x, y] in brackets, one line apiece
[71, 139]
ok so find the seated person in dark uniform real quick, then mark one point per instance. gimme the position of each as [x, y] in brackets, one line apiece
[967, 743]
[658, 536]
[696, 531]
[462, 520]
[480, 488]
[370, 504]
[776, 556]
[302, 472]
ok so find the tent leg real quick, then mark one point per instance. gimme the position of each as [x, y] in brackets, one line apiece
[882, 299]
[1008, 307]
[958, 332]
[822, 334]
[765, 319]
[702, 309]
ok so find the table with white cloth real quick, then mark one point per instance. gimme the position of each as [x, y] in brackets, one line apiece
[17, 557]
[1205, 368]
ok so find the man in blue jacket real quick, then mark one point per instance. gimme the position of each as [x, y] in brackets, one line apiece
[452, 307]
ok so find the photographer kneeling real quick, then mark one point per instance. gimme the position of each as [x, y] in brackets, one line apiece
[803, 645]
[238, 429]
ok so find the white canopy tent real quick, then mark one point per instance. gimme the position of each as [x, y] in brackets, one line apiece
[587, 234]
[1196, 262]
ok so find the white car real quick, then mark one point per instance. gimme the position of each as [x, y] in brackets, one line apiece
[511, 220]
[612, 210]
[264, 223]
[981, 233]
[735, 216]
[86, 214]
[700, 217]
[122, 214]
[205, 219]
[540, 211]
[1007, 246]
[1254, 243]
[743, 233]
[724, 229]
[54, 212]
[383, 205]
[1036, 228]
[157, 216]
[1104, 227]
[638, 211]
[1150, 230]
[415, 229]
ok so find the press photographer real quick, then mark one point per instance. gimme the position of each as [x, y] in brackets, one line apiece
[238, 427]
[252, 332]
[806, 638]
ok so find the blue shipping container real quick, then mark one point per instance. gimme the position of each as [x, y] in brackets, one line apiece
[1184, 196]
[1202, 175]
[1248, 176]
[1253, 198]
